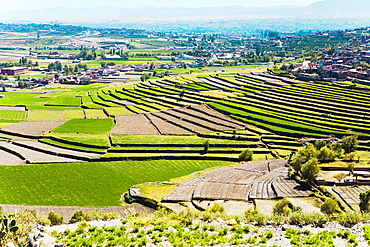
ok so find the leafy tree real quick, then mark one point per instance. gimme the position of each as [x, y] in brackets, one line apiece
[349, 143]
[351, 167]
[206, 146]
[303, 156]
[319, 144]
[337, 148]
[246, 155]
[102, 64]
[326, 154]
[364, 201]
[310, 170]
[182, 93]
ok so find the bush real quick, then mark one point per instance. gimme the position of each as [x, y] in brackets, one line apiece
[349, 219]
[93, 215]
[246, 155]
[77, 217]
[111, 216]
[351, 156]
[55, 219]
[44, 222]
[216, 208]
[330, 207]
[283, 207]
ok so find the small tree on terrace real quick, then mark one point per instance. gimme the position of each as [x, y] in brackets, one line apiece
[319, 144]
[246, 155]
[310, 170]
[351, 167]
[349, 143]
[303, 156]
[364, 201]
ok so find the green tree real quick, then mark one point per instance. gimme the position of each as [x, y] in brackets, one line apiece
[351, 167]
[326, 154]
[303, 156]
[310, 170]
[349, 143]
[319, 144]
[206, 146]
[337, 148]
[364, 201]
[246, 155]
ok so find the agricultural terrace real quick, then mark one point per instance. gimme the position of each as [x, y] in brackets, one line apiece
[196, 119]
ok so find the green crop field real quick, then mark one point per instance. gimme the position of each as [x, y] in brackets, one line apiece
[13, 115]
[86, 126]
[87, 184]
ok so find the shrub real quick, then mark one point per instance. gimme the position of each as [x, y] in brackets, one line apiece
[55, 219]
[330, 207]
[44, 222]
[246, 155]
[77, 217]
[111, 216]
[93, 215]
[349, 143]
[351, 156]
[283, 207]
[216, 208]
[349, 219]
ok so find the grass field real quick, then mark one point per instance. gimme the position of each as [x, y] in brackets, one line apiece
[87, 184]
[86, 126]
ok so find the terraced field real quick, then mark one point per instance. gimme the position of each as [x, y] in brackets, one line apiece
[183, 117]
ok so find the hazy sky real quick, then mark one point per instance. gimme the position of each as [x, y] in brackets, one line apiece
[7, 5]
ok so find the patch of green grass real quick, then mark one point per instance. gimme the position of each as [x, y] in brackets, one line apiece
[71, 114]
[95, 113]
[87, 184]
[13, 115]
[45, 115]
[86, 126]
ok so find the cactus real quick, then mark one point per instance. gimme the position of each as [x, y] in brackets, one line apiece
[8, 225]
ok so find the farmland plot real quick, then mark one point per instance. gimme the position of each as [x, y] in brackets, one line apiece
[165, 127]
[13, 115]
[33, 128]
[134, 125]
[351, 194]
[255, 180]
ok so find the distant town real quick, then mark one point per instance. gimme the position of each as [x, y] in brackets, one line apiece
[79, 55]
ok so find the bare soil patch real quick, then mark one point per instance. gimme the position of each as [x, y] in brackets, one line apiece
[33, 128]
[134, 125]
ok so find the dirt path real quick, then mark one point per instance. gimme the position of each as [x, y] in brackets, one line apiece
[67, 212]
